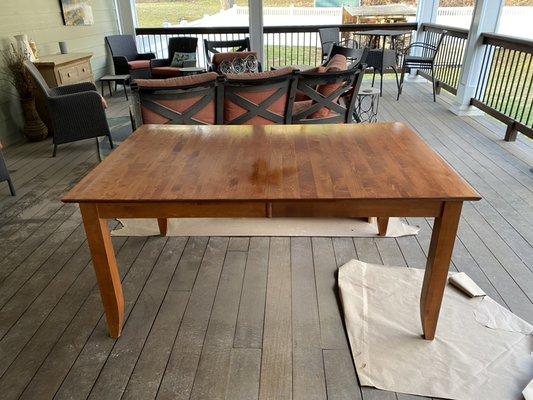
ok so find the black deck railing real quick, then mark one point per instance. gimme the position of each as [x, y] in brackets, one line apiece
[283, 45]
[449, 60]
[505, 85]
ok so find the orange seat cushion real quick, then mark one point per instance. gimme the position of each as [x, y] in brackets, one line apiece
[165, 72]
[139, 64]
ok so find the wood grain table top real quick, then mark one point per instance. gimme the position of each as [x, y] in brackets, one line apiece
[164, 163]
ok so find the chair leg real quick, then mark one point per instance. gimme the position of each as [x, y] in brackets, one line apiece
[400, 86]
[110, 141]
[54, 152]
[433, 83]
[11, 187]
[98, 150]
[380, 83]
[396, 76]
[125, 90]
[373, 77]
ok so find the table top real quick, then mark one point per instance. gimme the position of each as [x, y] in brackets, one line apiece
[382, 32]
[115, 77]
[59, 59]
[165, 163]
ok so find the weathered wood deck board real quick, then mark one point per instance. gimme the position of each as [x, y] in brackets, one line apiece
[232, 318]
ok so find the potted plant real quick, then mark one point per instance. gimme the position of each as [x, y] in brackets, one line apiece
[17, 74]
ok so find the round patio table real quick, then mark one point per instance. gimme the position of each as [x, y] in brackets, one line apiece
[383, 33]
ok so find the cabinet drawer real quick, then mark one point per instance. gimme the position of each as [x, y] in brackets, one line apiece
[85, 72]
[68, 75]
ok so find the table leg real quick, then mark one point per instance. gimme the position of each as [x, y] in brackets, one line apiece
[383, 223]
[105, 266]
[163, 226]
[439, 257]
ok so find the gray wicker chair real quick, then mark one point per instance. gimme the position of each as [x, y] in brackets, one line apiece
[4, 173]
[76, 111]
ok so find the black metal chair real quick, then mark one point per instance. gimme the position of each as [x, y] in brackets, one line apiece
[353, 54]
[222, 46]
[186, 100]
[76, 111]
[4, 173]
[424, 61]
[126, 58]
[265, 97]
[328, 38]
[332, 96]
[180, 44]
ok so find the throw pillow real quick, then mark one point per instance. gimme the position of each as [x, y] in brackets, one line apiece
[179, 59]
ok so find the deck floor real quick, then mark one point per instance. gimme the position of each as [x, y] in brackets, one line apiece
[233, 318]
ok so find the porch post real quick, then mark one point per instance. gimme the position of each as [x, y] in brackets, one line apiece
[127, 17]
[426, 13]
[485, 18]
[256, 27]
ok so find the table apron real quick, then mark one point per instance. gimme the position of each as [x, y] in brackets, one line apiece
[257, 209]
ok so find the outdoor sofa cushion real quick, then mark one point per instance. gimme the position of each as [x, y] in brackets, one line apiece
[165, 72]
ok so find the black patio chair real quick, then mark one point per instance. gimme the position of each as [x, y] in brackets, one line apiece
[76, 111]
[328, 37]
[4, 173]
[265, 97]
[424, 61]
[354, 55]
[126, 58]
[381, 60]
[223, 46]
[185, 100]
[179, 44]
[331, 96]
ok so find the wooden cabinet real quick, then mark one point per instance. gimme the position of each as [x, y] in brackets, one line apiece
[65, 69]
[61, 70]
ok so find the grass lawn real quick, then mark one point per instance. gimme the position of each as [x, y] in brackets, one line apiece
[151, 15]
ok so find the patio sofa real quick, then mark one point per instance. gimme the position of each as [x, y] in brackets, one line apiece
[322, 95]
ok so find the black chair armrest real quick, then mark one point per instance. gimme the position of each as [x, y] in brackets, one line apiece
[159, 62]
[421, 45]
[121, 65]
[145, 56]
[72, 89]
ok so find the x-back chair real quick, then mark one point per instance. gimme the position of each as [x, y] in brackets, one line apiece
[76, 111]
[187, 100]
[222, 46]
[331, 95]
[424, 61]
[258, 98]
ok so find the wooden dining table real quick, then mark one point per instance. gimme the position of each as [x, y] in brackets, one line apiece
[352, 170]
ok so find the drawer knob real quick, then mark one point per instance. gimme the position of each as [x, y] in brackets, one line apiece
[68, 74]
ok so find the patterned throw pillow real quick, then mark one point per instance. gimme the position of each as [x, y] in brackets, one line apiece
[180, 58]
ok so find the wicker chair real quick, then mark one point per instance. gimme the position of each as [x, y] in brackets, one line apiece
[160, 68]
[328, 38]
[76, 111]
[4, 173]
[185, 100]
[258, 98]
[424, 61]
[126, 58]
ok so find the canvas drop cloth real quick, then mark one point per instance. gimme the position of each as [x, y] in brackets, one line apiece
[481, 350]
[325, 227]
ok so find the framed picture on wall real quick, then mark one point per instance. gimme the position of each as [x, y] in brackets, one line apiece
[77, 12]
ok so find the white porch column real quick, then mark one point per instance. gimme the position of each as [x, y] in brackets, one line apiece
[426, 13]
[485, 18]
[127, 17]
[256, 26]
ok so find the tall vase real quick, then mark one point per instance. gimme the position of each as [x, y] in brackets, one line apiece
[34, 128]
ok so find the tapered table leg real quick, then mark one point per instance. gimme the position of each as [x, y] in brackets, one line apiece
[383, 224]
[439, 257]
[163, 226]
[105, 266]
